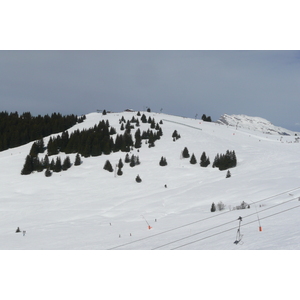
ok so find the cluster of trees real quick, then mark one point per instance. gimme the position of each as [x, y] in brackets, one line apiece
[220, 206]
[17, 130]
[33, 163]
[225, 161]
[98, 140]
[204, 160]
[175, 136]
[221, 161]
[205, 118]
[94, 142]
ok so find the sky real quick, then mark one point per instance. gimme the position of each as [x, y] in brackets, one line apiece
[186, 83]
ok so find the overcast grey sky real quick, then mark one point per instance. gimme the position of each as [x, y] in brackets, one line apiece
[184, 83]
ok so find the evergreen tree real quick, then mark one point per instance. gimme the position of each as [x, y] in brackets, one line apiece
[77, 160]
[34, 150]
[28, 166]
[52, 165]
[57, 166]
[48, 173]
[185, 153]
[204, 160]
[132, 161]
[46, 162]
[108, 166]
[213, 207]
[66, 164]
[193, 160]
[138, 179]
[144, 119]
[163, 161]
[120, 164]
[127, 159]
[52, 146]
[37, 165]
[120, 172]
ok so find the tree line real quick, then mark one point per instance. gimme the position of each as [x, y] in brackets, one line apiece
[17, 130]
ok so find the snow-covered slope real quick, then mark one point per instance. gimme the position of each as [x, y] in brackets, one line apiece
[87, 207]
[253, 124]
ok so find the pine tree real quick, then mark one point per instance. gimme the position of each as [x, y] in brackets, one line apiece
[204, 160]
[138, 179]
[185, 153]
[163, 161]
[34, 150]
[28, 166]
[120, 172]
[108, 166]
[77, 160]
[132, 161]
[66, 164]
[58, 166]
[144, 119]
[193, 160]
[48, 173]
[213, 207]
[120, 164]
[46, 162]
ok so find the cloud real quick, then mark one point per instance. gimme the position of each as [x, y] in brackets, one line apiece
[257, 83]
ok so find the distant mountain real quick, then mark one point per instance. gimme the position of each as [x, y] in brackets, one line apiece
[253, 123]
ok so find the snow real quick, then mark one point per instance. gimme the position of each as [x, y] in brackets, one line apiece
[88, 208]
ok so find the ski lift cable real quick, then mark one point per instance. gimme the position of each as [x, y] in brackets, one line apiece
[223, 224]
[197, 221]
[203, 231]
[274, 214]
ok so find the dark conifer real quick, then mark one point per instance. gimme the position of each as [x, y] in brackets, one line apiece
[77, 160]
[28, 166]
[213, 207]
[185, 153]
[127, 159]
[120, 172]
[58, 165]
[108, 166]
[138, 179]
[144, 119]
[204, 160]
[193, 159]
[34, 150]
[163, 161]
[66, 164]
[132, 161]
[120, 164]
[48, 173]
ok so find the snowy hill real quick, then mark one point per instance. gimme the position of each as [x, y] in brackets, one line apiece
[88, 207]
[253, 124]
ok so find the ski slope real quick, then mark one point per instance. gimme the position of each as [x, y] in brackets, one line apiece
[88, 208]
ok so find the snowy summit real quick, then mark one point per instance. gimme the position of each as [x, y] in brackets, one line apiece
[253, 123]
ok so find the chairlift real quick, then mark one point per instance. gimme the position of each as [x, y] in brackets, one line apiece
[239, 236]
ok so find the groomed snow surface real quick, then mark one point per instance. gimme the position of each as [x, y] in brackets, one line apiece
[88, 208]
